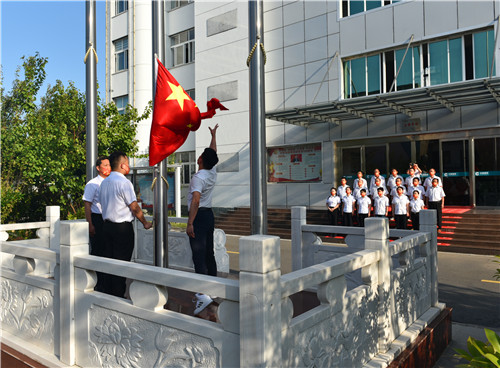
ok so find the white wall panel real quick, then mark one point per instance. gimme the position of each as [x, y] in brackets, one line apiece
[379, 28]
[276, 195]
[480, 115]
[471, 13]
[315, 27]
[293, 12]
[274, 60]
[294, 134]
[295, 97]
[314, 8]
[274, 80]
[440, 17]
[354, 128]
[352, 35]
[273, 39]
[294, 55]
[274, 100]
[273, 19]
[294, 76]
[316, 49]
[316, 93]
[275, 135]
[293, 34]
[408, 20]
[297, 195]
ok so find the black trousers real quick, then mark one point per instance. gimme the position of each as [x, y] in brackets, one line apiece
[202, 245]
[400, 221]
[333, 217]
[119, 244]
[348, 219]
[97, 246]
[437, 206]
[415, 220]
[361, 219]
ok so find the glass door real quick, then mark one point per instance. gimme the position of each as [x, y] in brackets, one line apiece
[351, 163]
[487, 171]
[455, 169]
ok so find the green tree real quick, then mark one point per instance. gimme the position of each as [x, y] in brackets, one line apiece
[44, 145]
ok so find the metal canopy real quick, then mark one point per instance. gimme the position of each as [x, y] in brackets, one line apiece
[407, 102]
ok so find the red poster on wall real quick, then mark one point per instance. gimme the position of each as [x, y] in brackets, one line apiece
[294, 164]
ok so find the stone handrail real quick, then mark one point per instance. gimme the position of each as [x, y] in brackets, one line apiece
[312, 276]
[223, 288]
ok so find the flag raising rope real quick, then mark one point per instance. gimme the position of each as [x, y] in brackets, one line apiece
[175, 114]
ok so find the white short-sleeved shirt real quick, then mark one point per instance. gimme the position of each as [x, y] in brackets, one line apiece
[341, 191]
[419, 188]
[409, 180]
[416, 205]
[391, 181]
[435, 194]
[333, 201]
[348, 202]
[357, 192]
[202, 182]
[380, 204]
[400, 203]
[428, 181]
[116, 193]
[394, 191]
[364, 204]
[355, 184]
[91, 194]
[374, 191]
[372, 181]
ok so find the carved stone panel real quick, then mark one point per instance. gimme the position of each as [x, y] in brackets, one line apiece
[27, 312]
[121, 340]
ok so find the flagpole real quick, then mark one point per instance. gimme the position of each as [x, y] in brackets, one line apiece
[91, 88]
[160, 190]
[258, 182]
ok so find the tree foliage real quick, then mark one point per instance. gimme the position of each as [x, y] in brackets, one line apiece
[44, 145]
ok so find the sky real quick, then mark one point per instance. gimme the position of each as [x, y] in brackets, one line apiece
[56, 29]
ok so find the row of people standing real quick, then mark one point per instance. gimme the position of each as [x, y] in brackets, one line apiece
[405, 200]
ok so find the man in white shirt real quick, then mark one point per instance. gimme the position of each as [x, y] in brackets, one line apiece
[391, 181]
[432, 175]
[400, 209]
[376, 174]
[93, 211]
[434, 198]
[200, 226]
[364, 206]
[119, 207]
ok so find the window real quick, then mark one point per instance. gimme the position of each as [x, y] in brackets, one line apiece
[484, 46]
[182, 46]
[179, 3]
[191, 93]
[121, 6]
[188, 162]
[121, 103]
[439, 62]
[121, 54]
[351, 7]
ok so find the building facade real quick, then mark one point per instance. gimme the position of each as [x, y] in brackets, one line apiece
[349, 85]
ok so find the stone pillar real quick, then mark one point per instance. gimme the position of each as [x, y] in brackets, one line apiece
[53, 215]
[260, 301]
[377, 238]
[428, 223]
[74, 241]
[298, 249]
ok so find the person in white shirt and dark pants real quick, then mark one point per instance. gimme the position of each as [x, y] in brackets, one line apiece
[435, 199]
[119, 207]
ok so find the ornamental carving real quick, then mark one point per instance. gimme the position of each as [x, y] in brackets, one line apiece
[344, 340]
[119, 340]
[27, 312]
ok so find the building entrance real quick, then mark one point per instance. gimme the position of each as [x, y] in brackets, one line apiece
[455, 171]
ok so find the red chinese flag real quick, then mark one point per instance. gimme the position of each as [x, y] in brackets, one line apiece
[175, 114]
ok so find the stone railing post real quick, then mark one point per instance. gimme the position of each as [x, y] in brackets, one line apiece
[260, 301]
[53, 215]
[377, 238]
[74, 241]
[428, 223]
[298, 248]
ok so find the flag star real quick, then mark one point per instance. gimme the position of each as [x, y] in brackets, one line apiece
[189, 125]
[177, 94]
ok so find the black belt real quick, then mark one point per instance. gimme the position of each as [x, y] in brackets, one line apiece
[201, 209]
[117, 223]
